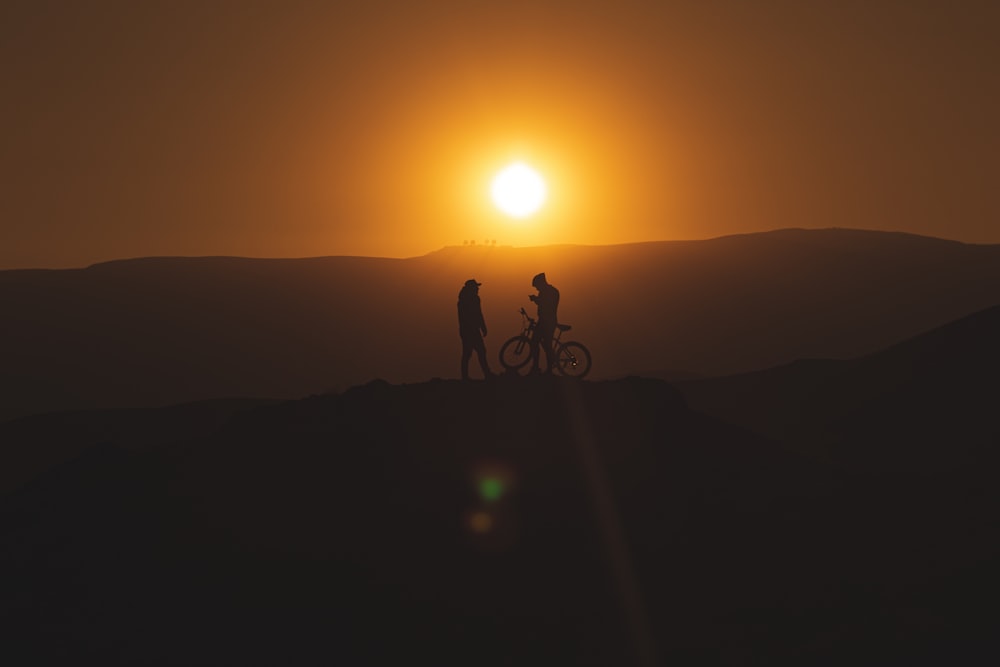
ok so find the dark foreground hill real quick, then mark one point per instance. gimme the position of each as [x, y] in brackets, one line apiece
[521, 521]
[158, 331]
[919, 405]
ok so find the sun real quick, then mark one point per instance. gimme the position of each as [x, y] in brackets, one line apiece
[518, 190]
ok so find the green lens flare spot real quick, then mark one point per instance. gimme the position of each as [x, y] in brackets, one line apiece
[490, 488]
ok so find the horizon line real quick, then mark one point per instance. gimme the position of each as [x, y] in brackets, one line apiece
[493, 246]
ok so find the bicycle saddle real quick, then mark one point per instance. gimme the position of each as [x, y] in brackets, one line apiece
[563, 327]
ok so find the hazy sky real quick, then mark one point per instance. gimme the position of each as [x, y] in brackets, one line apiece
[168, 127]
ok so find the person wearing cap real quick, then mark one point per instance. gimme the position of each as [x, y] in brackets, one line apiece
[472, 328]
[547, 301]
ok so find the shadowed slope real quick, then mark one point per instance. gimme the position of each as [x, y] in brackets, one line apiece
[523, 521]
[33, 444]
[926, 402]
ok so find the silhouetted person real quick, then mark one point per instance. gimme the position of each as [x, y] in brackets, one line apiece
[547, 301]
[472, 327]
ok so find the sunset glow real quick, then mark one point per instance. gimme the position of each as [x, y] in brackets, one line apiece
[518, 190]
[386, 129]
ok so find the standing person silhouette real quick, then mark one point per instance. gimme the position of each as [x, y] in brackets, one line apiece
[472, 328]
[547, 301]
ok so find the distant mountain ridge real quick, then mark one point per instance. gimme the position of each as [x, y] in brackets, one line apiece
[157, 331]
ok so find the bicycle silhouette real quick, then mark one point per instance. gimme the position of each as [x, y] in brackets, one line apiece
[572, 358]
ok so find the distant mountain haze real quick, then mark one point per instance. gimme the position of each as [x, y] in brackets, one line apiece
[156, 331]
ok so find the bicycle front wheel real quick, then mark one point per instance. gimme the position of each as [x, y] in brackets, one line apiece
[515, 353]
[573, 360]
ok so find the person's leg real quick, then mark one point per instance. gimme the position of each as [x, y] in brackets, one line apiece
[466, 355]
[534, 352]
[481, 353]
[546, 343]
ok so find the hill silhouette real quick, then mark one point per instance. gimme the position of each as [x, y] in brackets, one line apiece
[158, 331]
[889, 411]
[521, 521]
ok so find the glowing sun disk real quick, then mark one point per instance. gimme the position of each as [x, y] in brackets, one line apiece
[518, 190]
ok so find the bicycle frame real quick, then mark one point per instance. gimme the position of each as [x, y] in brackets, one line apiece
[569, 358]
[528, 328]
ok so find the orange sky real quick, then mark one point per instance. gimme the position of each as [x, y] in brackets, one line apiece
[175, 127]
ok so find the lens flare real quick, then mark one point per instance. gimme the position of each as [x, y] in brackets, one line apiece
[480, 522]
[491, 488]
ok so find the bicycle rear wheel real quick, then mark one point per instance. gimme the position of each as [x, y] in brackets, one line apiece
[573, 360]
[515, 353]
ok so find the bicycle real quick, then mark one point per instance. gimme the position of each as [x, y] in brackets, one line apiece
[572, 358]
